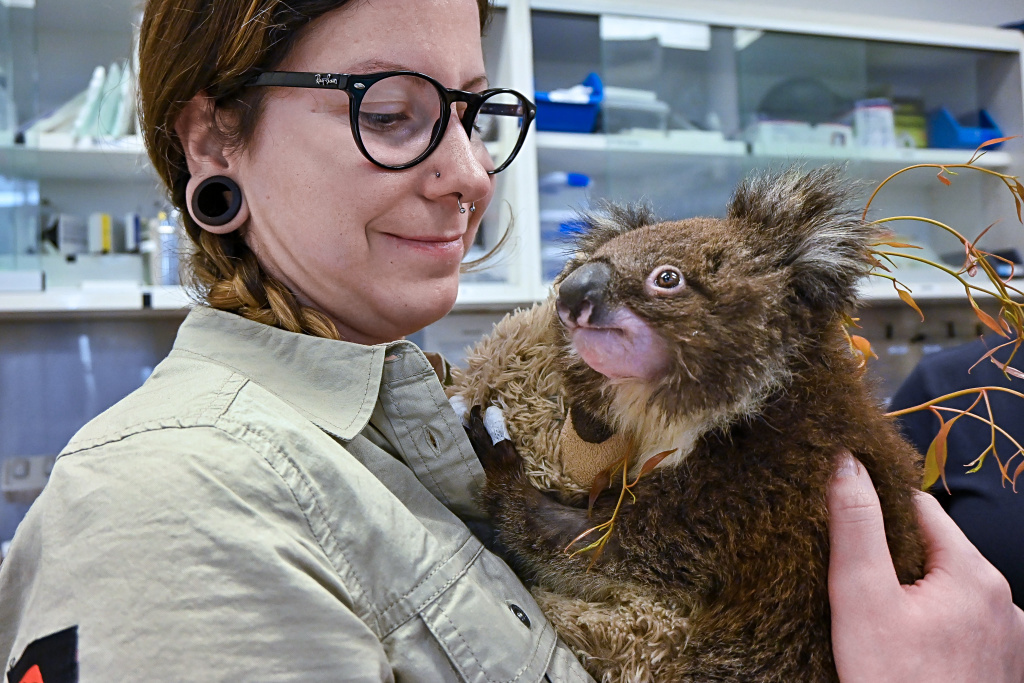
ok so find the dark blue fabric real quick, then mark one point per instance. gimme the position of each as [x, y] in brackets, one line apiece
[990, 514]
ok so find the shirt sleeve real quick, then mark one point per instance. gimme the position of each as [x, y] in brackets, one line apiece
[988, 511]
[180, 554]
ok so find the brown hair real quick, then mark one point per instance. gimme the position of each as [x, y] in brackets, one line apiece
[215, 46]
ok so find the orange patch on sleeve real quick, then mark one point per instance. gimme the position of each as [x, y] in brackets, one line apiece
[33, 675]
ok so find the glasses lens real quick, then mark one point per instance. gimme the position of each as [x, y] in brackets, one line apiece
[397, 118]
[498, 127]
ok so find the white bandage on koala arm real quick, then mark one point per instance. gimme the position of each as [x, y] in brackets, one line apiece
[461, 407]
[494, 423]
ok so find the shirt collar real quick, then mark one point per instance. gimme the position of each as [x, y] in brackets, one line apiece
[332, 383]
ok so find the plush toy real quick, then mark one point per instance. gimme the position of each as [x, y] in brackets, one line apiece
[682, 398]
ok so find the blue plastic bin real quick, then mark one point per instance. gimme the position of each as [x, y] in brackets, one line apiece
[571, 117]
[946, 132]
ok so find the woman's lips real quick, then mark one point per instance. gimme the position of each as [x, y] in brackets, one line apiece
[440, 246]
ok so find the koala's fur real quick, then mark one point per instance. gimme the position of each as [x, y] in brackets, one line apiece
[717, 571]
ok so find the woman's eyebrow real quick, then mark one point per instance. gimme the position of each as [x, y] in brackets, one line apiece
[478, 83]
[372, 65]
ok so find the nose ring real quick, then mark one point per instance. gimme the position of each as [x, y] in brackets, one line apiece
[462, 209]
[472, 207]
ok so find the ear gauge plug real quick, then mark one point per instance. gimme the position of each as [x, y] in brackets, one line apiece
[216, 201]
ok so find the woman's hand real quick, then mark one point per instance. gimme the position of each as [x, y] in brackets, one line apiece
[958, 623]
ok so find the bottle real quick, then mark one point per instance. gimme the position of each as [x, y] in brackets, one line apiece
[562, 196]
[167, 235]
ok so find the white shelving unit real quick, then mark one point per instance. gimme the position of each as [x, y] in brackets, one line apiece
[92, 163]
[629, 165]
[114, 296]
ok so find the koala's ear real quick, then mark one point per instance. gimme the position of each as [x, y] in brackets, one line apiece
[803, 222]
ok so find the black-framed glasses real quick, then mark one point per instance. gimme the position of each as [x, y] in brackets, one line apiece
[399, 117]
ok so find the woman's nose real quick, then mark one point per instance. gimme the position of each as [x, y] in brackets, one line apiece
[463, 159]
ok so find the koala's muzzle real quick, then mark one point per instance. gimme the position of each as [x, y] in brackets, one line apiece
[581, 296]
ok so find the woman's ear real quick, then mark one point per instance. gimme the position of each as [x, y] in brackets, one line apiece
[207, 159]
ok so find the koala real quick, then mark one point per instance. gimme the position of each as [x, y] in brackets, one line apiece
[720, 341]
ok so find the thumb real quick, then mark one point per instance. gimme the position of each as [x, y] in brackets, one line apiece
[948, 548]
[860, 566]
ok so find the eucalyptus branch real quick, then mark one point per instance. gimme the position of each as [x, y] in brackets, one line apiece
[946, 397]
[944, 269]
[922, 219]
[601, 482]
[976, 464]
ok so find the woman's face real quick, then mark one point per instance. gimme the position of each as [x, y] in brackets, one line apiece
[377, 251]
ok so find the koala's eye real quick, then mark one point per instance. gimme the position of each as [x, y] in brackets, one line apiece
[665, 281]
[668, 279]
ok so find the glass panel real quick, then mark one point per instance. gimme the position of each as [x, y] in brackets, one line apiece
[8, 118]
[670, 114]
[19, 232]
[793, 87]
[497, 219]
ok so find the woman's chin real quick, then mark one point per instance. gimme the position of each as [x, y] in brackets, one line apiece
[429, 302]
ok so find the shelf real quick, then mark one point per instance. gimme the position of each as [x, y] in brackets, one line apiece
[132, 165]
[117, 296]
[698, 144]
[97, 163]
[879, 290]
[657, 145]
[899, 156]
[632, 156]
[491, 296]
[101, 297]
[475, 296]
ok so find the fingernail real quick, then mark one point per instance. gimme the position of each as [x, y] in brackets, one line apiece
[848, 467]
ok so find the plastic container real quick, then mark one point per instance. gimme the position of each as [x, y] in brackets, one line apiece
[629, 108]
[946, 132]
[556, 114]
[562, 196]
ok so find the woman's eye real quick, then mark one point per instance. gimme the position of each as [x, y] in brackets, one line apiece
[382, 120]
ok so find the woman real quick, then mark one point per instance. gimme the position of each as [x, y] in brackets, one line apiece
[276, 504]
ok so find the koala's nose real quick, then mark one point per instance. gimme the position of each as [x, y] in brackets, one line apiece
[581, 296]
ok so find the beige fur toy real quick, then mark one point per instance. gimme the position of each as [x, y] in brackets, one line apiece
[633, 637]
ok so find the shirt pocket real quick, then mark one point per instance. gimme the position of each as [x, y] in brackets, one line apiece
[489, 626]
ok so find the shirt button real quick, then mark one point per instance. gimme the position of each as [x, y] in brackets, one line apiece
[520, 614]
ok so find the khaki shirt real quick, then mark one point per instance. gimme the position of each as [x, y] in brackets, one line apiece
[270, 506]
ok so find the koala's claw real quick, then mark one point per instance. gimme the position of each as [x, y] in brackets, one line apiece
[497, 457]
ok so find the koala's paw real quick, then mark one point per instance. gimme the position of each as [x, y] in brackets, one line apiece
[492, 444]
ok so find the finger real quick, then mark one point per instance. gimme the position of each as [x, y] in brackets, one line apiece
[861, 576]
[478, 435]
[947, 546]
[494, 421]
